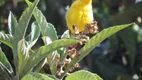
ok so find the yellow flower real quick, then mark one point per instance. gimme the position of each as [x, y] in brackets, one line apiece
[79, 15]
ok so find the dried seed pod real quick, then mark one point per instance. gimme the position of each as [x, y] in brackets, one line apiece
[71, 70]
[91, 28]
[59, 65]
[77, 46]
[77, 65]
[77, 56]
[73, 56]
[59, 74]
[71, 52]
[83, 41]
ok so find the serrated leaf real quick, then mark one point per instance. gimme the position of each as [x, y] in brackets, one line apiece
[5, 65]
[47, 29]
[5, 38]
[24, 21]
[33, 37]
[45, 50]
[12, 23]
[96, 40]
[36, 76]
[83, 75]
[21, 29]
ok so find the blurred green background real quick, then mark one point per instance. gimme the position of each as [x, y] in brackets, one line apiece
[118, 57]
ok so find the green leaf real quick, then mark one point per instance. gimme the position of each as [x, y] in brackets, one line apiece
[32, 39]
[36, 76]
[47, 29]
[3, 73]
[62, 51]
[5, 65]
[21, 29]
[98, 77]
[51, 58]
[55, 45]
[52, 76]
[45, 50]
[24, 21]
[66, 35]
[83, 75]
[35, 31]
[63, 55]
[12, 23]
[5, 38]
[23, 56]
[34, 35]
[39, 66]
[47, 40]
[96, 40]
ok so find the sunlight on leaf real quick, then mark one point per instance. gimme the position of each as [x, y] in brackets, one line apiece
[83, 75]
[36, 76]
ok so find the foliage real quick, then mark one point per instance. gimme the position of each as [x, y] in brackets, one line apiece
[22, 47]
[36, 76]
[83, 75]
[24, 54]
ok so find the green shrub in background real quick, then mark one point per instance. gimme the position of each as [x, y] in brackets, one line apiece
[28, 62]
